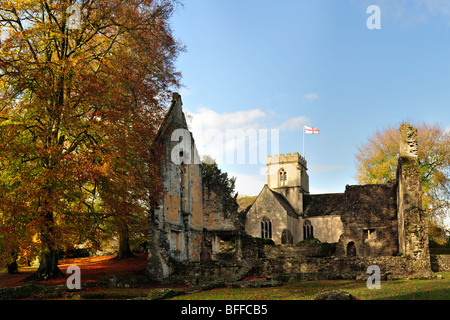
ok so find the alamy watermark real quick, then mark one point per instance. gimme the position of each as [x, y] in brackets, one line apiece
[74, 281]
[374, 20]
[74, 19]
[233, 146]
[374, 280]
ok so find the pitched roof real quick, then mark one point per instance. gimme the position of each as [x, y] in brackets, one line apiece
[284, 203]
[280, 199]
[324, 204]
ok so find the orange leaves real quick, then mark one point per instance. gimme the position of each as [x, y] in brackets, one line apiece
[377, 162]
[79, 114]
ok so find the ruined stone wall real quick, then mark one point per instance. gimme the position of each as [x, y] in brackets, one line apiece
[327, 268]
[370, 221]
[440, 262]
[412, 219]
[409, 196]
[220, 210]
[228, 268]
[296, 251]
[180, 215]
[221, 223]
[176, 224]
[287, 267]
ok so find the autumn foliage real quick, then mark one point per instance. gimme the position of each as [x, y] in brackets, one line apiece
[377, 163]
[79, 109]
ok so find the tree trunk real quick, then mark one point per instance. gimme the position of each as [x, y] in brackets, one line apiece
[124, 243]
[12, 267]
[48, 266]
[48, 263]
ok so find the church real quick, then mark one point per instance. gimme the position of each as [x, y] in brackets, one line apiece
[285, 212]
[365, 220]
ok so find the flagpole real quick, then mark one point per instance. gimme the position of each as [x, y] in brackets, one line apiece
[303, 142]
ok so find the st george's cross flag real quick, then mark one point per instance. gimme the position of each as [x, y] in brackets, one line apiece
[311, 130]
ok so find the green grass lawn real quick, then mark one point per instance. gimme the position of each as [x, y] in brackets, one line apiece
[307, 290]
[297, 290]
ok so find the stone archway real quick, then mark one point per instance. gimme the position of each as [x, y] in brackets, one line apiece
[351, 249]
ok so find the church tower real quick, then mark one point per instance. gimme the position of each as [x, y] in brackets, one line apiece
[286, 174]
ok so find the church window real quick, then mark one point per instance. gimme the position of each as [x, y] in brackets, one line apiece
[266, 228]
[308, 232]
[282, 177]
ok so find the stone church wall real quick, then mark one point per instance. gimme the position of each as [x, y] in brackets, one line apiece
[266, 205]
[325, 228]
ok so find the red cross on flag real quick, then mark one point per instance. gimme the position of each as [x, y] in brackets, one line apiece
[311, 130]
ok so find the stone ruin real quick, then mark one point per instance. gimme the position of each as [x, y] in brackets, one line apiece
[197, 236]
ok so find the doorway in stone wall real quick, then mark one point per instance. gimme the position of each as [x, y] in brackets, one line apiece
[351, 249]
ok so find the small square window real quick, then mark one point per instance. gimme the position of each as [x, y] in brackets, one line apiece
[369, 234]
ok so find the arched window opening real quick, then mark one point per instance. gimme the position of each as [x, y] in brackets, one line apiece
[282, 177]
[266, 228]
[308, 231]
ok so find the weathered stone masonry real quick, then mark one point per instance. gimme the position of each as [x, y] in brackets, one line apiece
[193, 222]
[196, 235]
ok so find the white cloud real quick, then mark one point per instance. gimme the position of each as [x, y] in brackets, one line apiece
[209, 119]
[248, 185]
[294, 124]
[224, 135]
[311, 96]
[240, 137]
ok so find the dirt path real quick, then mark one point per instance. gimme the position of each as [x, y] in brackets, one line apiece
[92, 269]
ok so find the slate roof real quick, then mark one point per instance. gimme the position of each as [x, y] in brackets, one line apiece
[324, 204]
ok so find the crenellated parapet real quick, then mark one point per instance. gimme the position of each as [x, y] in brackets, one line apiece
[288, 158]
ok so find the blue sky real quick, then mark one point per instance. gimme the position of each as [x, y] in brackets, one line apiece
[281, 65]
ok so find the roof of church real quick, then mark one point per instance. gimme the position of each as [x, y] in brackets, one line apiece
[284, 203]
[324, 204]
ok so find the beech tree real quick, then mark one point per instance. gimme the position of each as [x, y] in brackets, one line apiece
[376, 162]
[81, 97]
